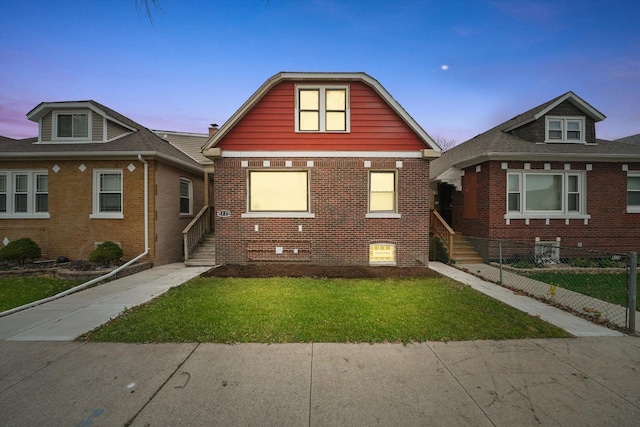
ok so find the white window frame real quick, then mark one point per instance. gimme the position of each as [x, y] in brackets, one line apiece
[383, 214]
[278, 214]
[96, 195]
[56, 114]
[322, 89]
[190, 196]
[31, 192]
[563, 212]
[632, 208]
[564, 121]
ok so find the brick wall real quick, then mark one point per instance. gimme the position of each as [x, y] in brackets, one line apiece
[339, 234]
[610, 227]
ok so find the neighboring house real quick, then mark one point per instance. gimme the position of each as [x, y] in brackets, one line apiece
[93, 175]
[322, 168]
[544, 175]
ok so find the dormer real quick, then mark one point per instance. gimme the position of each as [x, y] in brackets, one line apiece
[567, 119]
[77, 122]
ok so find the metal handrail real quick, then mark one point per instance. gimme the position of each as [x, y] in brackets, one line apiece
[192, 234]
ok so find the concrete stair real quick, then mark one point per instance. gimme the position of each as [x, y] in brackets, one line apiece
[463, 252]
[205, 254]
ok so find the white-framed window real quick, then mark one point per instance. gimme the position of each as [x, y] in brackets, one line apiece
[278, 193]
[383, 194]
[71, 125]
[633, 192]
[322, 109]
[107, 194]
[382, 254]
[186, 197]
[546, 194]
[564, 129]
[24, 194]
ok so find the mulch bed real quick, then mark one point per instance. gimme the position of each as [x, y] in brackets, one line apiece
[305, 270]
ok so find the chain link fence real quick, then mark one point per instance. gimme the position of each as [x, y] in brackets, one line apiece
[593, 285]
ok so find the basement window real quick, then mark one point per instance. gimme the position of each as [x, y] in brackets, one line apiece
[382, 254]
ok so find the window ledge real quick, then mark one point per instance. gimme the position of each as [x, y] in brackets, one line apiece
[633, 209]
[25, 216]
[383, 215]
[107, 216]
[546, 216]
[278, 215]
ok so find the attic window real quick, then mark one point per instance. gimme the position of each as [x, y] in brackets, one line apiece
[71, 125]
[322, 109]
[564, 129]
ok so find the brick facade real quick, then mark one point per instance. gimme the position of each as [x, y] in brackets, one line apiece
[609, 228]
[339, 234]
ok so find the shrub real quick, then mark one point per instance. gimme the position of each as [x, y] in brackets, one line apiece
[20, 251]
[106, 253]
[607, 263]
[581, 263]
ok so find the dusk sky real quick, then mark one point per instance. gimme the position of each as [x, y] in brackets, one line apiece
[457, 67]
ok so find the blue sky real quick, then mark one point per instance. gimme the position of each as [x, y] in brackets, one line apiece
[458, 67]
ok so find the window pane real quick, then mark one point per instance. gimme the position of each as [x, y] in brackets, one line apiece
[3, 202]
[80, 125]
[21, 183]
[42, 203]
[382, 253]
[110, 203]
[65, 125]
[336, 100]
[278, 191]
[633, 198]
[3, 183]
[336, 121]
[20, 203]
[514, 202]
[184, 206]
[514, 183]
[309, 100]
[42, 183]
[573, 134]
[574, 202]
[544, 192]
[110, 182]
[382, 202]
[555, 125]
[184, 189]
[633, 183]
[573, 184]
[573, 125]
[382, 181]
[309, 120]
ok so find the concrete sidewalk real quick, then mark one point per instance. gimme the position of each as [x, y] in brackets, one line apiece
[557, 382]
[66, 318]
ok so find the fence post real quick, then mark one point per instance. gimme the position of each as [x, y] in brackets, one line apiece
[633, 290]
[500, 255]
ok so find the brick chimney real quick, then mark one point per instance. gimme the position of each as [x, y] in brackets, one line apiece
[213, 128]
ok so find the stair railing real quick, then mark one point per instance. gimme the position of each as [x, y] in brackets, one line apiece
[198, 227]
[442, 230]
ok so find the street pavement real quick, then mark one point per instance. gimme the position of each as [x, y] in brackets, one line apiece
[48, 380]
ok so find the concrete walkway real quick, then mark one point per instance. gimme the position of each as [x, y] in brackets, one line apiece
[551, 382]
[66, 318]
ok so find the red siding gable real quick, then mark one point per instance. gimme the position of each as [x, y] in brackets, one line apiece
[269, 126]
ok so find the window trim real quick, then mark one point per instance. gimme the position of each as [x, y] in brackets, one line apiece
[189, 197]
[277, 214]
[96, 214]
[322, 108]
[383, 214]
[54, 126]
[632, 208]
[564, 129]
[564, 212]
[10, 193]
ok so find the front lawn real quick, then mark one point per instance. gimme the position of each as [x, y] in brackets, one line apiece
[17, 291]
[280, 310]
[606, 287]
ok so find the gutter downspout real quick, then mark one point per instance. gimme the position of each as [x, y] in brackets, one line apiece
[106, 276]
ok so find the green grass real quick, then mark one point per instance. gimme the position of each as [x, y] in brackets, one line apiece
[279, 310]
[17, 291]
[607, 287]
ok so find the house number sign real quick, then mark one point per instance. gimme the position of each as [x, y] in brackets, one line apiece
[224, 213]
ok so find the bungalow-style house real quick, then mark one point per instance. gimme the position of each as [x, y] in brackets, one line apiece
[321, 168]
[543, 176]
[93, 175]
